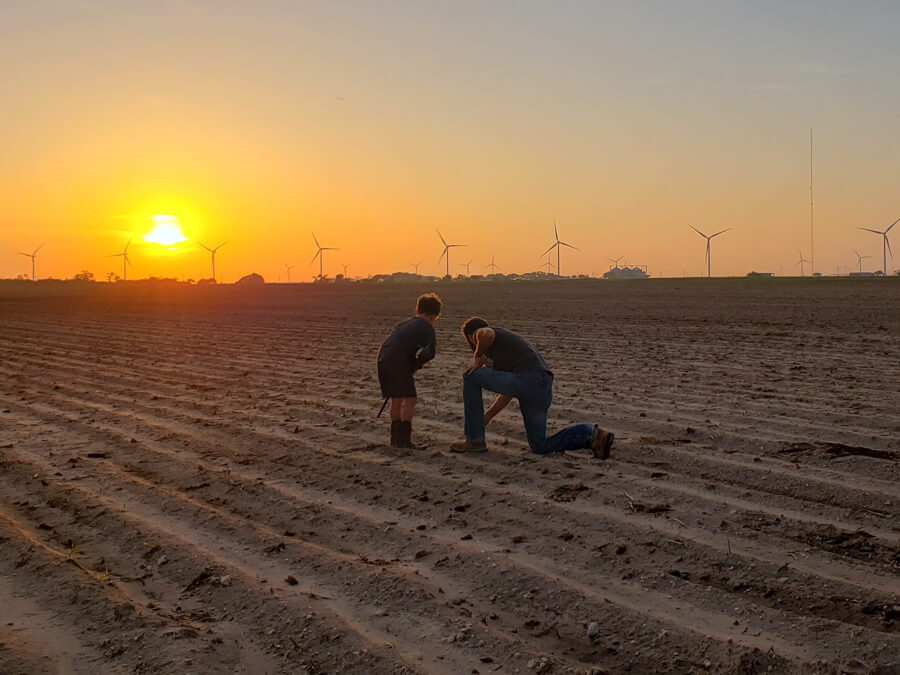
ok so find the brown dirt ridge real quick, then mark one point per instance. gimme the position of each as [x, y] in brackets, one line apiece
[194, 481]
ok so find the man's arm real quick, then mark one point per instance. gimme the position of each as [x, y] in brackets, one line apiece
[484, 338]
[499, 404]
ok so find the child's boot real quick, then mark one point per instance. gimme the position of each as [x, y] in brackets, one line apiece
[395, 433]
[404, 435]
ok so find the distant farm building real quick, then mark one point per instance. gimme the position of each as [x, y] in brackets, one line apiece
[760, 275]
[636, 272]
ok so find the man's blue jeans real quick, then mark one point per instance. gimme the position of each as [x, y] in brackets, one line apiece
[535, 393]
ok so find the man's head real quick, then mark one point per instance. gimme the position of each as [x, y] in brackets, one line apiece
[470, 327]
[428, 306]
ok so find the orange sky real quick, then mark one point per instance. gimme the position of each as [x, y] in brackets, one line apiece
[626, 122]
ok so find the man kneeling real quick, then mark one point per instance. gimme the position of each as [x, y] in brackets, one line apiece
[509, 365]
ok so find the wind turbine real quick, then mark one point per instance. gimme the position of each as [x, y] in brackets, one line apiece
[415, 266]
[320, 254]
[213, 253]
[125, 261]
[557, 245]
[616, 260]
[800, 262]
[32, 256]
[860, 258]
[708, 261]
[466, 265]
[886, 245]
[289, 268]
[446, 251]
[548, 264]
[493, 267]
[346, 267]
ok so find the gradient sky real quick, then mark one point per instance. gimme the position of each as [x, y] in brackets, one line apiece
[373, 123]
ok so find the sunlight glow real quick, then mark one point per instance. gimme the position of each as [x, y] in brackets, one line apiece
[166, 230]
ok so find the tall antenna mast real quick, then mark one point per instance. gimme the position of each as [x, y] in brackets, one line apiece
[812, 250]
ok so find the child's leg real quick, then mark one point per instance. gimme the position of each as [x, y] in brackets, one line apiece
[407, 409]
[396, 408]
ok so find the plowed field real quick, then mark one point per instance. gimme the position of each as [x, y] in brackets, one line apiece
[194, 481]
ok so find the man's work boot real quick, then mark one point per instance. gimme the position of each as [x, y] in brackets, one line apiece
[468, 446]
[395, 433]
[601, 442]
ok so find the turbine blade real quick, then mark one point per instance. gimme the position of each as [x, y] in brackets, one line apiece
[886, 231]
[442, 254]
[550, 249]
[221, 245]
[697, 231]
[206, 247]
[718, 233]
[42, 246]
[441, 236]
[126, 246]
[888, 242]
[314, 239]
[869, 229]
[555, 230]
[314, 257]
[569, 245]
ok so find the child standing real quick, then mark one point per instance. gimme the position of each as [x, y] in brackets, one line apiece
[409, 347]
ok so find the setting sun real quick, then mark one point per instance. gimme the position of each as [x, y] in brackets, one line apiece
[166, 231]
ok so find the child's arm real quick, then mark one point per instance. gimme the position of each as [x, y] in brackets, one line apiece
[425, 354]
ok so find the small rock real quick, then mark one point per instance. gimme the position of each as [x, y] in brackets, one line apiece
[381, 611]
[593, 629]
[162, 560]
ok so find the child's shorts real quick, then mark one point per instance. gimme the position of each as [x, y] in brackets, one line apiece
[396, 382]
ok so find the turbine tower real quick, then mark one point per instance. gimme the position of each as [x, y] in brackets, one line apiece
[886, 244]
[446, 251]
[32, 255]
[800, 262]
[708, 262]
[557, 245]
[289, 268]
[493, 267]
[860, 258]
[415, 266]
[320, 254]
[125, 261]
[346, 267]
[213, 253]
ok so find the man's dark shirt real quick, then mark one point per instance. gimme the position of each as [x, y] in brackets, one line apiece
[514, 354]
[410, 346]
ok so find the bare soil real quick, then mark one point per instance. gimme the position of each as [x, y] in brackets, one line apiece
[194, 481]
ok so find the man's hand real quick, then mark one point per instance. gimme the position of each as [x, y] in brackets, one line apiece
[499, 404]
[479, 362]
